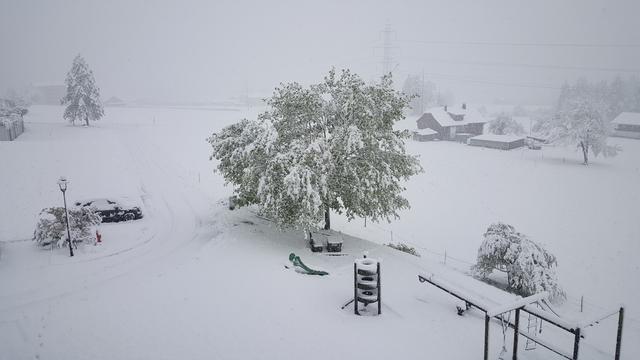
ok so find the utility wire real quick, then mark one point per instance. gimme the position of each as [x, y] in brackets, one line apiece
[498, 83]
[526, 44]
[536, 66]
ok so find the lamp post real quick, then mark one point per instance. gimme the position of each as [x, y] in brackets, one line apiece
[62, 183]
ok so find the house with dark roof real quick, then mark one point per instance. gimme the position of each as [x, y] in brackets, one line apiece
[453, 123]
[627, 125]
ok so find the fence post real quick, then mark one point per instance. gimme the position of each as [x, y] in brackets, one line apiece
[576, 344]
[515, 334]
[486, 336]
[619, 335]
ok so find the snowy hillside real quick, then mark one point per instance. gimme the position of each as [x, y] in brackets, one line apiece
[193, 280]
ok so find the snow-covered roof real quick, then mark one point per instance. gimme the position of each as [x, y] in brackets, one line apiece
[500, 138]
[426, 131]
[627, 118]
[444, 118]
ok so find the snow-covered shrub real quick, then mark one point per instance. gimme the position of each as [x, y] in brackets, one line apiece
[530, 268]
[504, 125]
[51, 227]
[404, 248]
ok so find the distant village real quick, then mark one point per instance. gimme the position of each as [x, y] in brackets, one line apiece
[472, 126]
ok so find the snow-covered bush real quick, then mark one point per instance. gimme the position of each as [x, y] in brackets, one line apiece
[404, 248]
[504, 125]
[51, 227]
[530, 268]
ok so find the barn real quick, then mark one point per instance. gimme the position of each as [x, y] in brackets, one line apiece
[627, 125]
[453, 123]
[502, 142]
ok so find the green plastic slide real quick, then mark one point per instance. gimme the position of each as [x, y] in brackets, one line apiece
[295, 260]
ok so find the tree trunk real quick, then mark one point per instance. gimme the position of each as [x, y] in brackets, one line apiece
[327, 218]
[585, 153]
[86, 119]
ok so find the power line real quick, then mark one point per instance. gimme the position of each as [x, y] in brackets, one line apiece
[535, 66]
[498, 83]
[525, 44]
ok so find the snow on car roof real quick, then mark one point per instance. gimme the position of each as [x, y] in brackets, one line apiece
[104, 203]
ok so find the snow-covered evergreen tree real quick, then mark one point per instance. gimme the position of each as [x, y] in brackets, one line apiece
[504, 124]
[529, 267]
[327, 147]
[83, 96]
[52, 227]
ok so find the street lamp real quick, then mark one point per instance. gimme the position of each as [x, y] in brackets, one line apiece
[62, 183]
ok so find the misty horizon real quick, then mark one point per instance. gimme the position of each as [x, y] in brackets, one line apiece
[201, 52]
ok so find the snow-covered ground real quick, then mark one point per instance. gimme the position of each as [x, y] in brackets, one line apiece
[193, 280]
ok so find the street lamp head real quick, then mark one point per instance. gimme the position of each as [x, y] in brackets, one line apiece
[62, 183]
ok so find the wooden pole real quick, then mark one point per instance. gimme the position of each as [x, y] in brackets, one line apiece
[515, 335]
[355, 289]
[576, 344]
[486, 336]
[619, 336]
[379, 291]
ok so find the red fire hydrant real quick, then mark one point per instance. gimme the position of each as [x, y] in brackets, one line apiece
[98, 237]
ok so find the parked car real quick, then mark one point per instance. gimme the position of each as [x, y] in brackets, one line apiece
[111, 210]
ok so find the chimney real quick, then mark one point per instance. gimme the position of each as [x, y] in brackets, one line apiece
[464, 106]
[445, 108]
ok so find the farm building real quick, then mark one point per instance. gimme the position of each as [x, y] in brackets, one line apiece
[452, 123]
[425, 135]
[627, 125]
[502, 142]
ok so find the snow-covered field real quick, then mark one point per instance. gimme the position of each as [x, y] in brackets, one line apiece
[193, 280]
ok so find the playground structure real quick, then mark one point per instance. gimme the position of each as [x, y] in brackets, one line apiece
[301, 267]
[366, 284]
[538, 312]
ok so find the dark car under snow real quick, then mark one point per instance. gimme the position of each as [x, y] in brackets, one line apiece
[111, 210]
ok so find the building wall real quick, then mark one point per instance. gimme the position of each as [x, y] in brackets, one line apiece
[627, 134]
[430, 137]
[502, 145]
[475, 129]
[628, 127]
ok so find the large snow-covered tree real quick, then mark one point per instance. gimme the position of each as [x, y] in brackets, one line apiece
[529, 267]
[83, 96]
[582, 118]
[330, 146]
[51, 227]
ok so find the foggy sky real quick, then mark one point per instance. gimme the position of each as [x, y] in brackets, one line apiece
[206, 50]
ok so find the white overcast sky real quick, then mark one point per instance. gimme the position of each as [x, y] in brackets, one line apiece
[206, 50]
